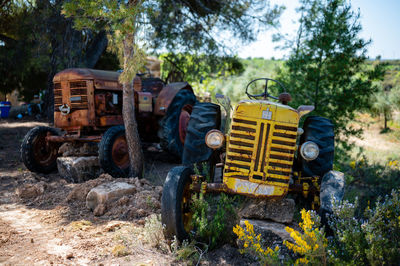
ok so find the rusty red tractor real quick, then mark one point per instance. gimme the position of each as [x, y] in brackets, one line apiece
[88, 109]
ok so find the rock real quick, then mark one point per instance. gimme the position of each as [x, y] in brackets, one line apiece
[107, 192]
[123, 201]
[27, 191]
[78, 149]
[78, 169]
[99, 210]
[272, 233]
[80, 191]
[276, 210]
[332, 189]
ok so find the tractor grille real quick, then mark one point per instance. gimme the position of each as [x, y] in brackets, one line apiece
[57, 96]
[248, 158]
[77, 97]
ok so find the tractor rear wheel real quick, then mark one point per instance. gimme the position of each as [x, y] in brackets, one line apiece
[176, 199]
[173, 126]
[113, 152]
[205, 117]
[38, 154]
[320, 131]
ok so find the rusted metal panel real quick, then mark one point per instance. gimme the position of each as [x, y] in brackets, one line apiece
[85, 73]
[78, 118]
[167, 95]
[73, 138]
[145, 101]
[111, 120]
[90, 103]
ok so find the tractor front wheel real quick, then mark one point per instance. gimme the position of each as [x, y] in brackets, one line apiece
[113, 152]
[176, 199]
[38, 154]
[320, 131]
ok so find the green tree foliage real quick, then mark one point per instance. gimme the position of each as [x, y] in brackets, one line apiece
[385, 102]
[122, 21]
[196, 25]
[193, 28]
[234, 86]
[37, 42]
[192, 68]
[387, 99]
[326, 64]
[19, 65]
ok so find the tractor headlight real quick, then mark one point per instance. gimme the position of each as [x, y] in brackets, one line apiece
[309, 150]
[215, 139]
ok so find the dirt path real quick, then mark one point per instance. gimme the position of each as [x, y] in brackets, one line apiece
[377, 146]
[47, 229]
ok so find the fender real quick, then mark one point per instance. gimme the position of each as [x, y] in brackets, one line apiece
[167, 94]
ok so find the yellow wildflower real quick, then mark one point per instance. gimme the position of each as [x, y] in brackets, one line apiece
[353, 164]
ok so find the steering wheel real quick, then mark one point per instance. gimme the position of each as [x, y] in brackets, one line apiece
[265, 94]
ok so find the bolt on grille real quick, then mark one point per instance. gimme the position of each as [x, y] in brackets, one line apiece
[247, 157]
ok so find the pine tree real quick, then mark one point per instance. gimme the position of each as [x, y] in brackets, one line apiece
[326, 67]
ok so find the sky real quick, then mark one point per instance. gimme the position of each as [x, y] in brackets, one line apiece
[380, 21]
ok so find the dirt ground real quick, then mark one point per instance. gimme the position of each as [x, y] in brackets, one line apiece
[44, 220]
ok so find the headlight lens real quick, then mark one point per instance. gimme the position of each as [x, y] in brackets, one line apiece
[309, 151]
[215, 139]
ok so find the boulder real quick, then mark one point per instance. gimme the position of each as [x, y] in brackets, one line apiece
[280, 211]
[79, 169]
[69, 149]
[103, 194]
[332, 189]
[27, 191]
[272, 233]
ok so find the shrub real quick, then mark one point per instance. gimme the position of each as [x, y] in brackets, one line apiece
[212, 218]
[153, 233]
[373, 240]
[368, 181]
[311, 243]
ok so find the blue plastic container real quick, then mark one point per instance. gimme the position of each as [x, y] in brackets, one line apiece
[4, 109]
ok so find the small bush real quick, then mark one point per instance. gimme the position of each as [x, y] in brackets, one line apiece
[374, 239]
[252, 244]
[311, 243]
[368, 181]
[213, 218]
[153, 233]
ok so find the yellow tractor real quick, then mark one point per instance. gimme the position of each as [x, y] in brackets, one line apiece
[263, 154]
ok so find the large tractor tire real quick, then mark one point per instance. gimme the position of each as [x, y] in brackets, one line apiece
[319, 130]
[173, 126]
[176, 198]
[37, 154]
[205, 117]
[113, 152]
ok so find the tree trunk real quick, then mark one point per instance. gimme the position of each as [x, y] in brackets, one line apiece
[385, 119]
[128, 112]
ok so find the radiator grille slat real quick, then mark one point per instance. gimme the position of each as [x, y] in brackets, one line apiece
[57, 96]
[78, 93]
[260, 137]
[263, 149]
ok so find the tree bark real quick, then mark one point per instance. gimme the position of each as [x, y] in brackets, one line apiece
[128, 113]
